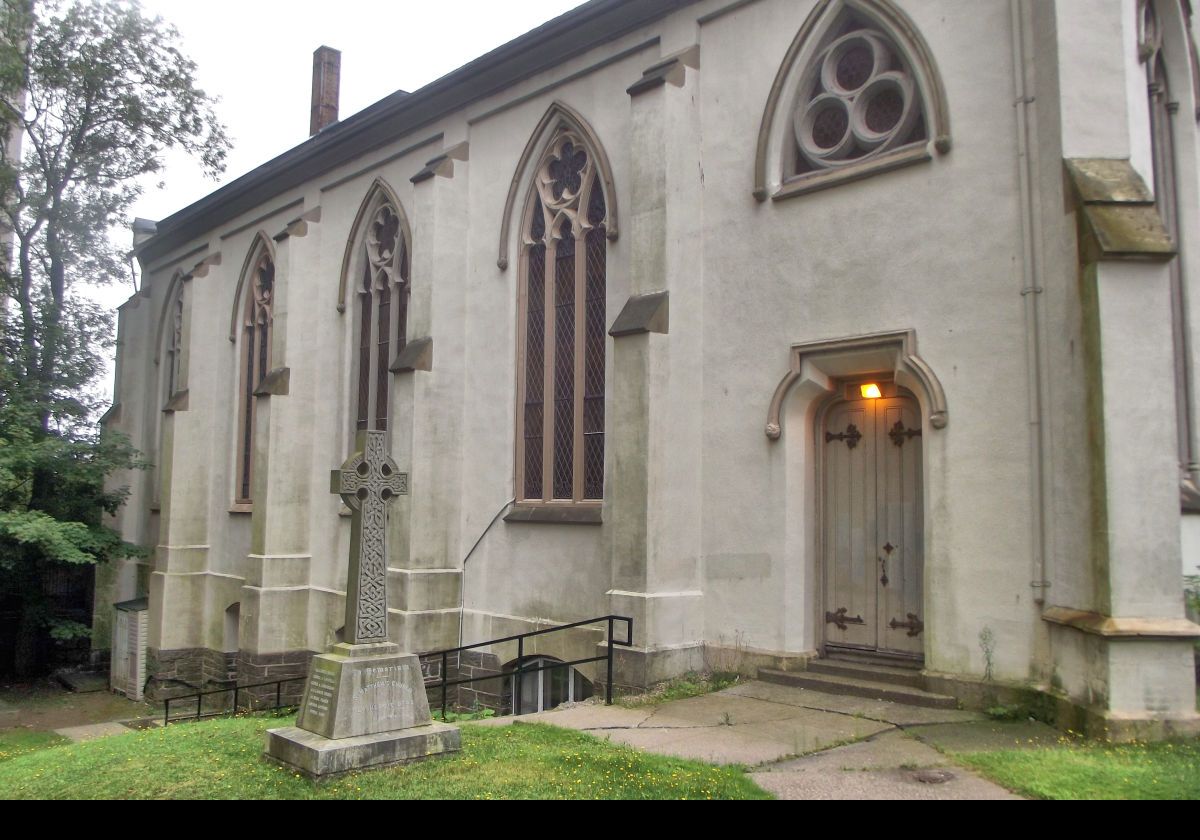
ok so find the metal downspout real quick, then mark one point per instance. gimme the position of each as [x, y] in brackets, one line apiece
[1031, 288]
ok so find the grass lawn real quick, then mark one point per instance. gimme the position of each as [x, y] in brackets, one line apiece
[1096, 771]
[220, 759]
[16, 742]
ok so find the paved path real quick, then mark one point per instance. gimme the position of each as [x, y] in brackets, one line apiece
[91, 731]
[803, 744]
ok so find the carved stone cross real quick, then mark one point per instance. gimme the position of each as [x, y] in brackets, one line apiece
[366, 482]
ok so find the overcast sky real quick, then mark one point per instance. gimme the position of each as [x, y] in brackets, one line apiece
[256, 56]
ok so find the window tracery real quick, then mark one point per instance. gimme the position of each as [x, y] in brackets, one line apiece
[858, 93]
[560, 436]
[860, 101]
[1163, 109]
[175, 347]
[383, 313]
[255, 359]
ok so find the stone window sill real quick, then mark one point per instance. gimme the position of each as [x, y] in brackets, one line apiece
[579, 514]
[794, 185]
[241, 507]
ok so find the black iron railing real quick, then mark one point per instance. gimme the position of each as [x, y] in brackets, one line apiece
[243, 691]
[519, 671]
[238, 692]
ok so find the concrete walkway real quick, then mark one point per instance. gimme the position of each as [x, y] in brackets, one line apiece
[91, 731]
[803, 744]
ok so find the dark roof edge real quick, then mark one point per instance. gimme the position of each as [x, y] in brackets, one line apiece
[560, 39]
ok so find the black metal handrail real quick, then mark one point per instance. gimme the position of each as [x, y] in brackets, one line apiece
[443, 684]
[519, 671]
[199, 696]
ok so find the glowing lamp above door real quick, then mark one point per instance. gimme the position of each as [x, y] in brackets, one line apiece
[870, 391]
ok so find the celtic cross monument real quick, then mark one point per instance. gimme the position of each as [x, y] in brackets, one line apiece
[364, 703]
[367, 482]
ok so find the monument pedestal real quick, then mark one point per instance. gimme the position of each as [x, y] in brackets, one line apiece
[364, 708]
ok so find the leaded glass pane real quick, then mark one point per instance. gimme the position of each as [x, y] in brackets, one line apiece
[564, 366]
[594, 349]
[383, 342]
[247, 416]
[535, 349]
[362, 417]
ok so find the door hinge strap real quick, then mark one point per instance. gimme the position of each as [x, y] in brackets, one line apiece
[852, 436]
[914, 625]
[840, 619]
[899, 434]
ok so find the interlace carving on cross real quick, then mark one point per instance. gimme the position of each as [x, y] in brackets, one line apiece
[367, 482]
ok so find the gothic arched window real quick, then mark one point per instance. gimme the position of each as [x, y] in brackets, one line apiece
[259, 285]
[1163, 108]
[169, 359]
[858, 93]
[382, 300]
[174, 354]
[560, 417]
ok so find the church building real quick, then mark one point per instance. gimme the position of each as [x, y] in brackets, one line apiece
[787, 328]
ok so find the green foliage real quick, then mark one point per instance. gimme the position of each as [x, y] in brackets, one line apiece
[689, 685]
[220, 759]
[460, 717]
[1096, 771]
[1002, 712]
[95, 93]
[987, 643]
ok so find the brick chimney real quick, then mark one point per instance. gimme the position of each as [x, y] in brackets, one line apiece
[327, 71]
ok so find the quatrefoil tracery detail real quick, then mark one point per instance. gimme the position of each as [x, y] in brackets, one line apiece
[383, 237]
[566, 182]
[264, 291]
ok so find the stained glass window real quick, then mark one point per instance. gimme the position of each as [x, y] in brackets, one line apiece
[256, 359]
[1163, 110]
[563, 337]
[383, 314]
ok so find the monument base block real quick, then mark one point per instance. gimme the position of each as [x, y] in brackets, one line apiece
[320, 758]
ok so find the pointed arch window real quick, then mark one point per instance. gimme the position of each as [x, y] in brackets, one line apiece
[257, 317]
[174, 354]
[1164, 107]
[560, 422]
[382, 301]
[858, 93]
[169, 358]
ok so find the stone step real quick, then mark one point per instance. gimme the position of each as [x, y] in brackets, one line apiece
[865, 657]
[867, 672]
[831, 684]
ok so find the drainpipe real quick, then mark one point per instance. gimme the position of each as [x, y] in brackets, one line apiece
[1031, 288]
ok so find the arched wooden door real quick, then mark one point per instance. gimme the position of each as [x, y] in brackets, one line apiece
[873, 543]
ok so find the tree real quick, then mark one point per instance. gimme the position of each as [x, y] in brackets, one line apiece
[92, 94]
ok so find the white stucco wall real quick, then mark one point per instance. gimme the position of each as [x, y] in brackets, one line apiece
[730, 551]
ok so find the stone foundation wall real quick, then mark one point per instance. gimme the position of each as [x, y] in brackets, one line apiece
[267, 667]
[178, 672]
[431, 670]
[488, 694]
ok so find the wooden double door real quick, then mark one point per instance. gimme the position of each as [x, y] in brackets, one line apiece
[873, 520]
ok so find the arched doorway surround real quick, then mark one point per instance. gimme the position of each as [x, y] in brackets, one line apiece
[819, 376]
